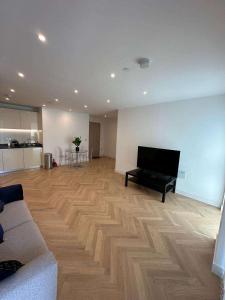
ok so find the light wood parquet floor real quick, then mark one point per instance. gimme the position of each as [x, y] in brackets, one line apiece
[117, 243]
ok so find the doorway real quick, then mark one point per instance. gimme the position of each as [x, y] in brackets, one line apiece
[94, 139]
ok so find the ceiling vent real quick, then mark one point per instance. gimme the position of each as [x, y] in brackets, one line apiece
[143, 62]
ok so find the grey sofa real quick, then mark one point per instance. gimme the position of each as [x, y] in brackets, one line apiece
[37, 279]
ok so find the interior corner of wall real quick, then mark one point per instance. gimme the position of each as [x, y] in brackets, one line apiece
[220, 272]
[119, 171]
[196, 197]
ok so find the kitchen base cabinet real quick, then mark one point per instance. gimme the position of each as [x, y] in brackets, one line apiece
[32, 157]
[13, 159]
[1, 162]
[20, 158]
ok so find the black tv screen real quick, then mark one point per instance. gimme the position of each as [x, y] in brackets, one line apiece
[158, 160]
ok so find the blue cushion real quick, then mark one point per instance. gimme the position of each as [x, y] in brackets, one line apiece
[8, 268]
[1, 234]
[1, 206]
[11, 193]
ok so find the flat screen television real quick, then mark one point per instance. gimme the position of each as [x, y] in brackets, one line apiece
[158, 160]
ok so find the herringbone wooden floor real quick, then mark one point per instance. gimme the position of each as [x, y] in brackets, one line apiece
[117, 243]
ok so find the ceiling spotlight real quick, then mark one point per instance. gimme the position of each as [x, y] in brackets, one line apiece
[105, 116]
[7, 98]
[145, 93]
[112, 75]
[76, 91]
[85, 106]
[20, 74]
[43, 105]
[70, 109]
[56, 100]
[108, 100]
[42, 38]
[12, 90]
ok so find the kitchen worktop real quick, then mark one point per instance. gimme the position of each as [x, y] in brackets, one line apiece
[23, 145]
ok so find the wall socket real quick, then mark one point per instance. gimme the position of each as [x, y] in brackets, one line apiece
[181, 174]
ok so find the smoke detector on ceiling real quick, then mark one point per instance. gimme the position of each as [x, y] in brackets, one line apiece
[143, 62]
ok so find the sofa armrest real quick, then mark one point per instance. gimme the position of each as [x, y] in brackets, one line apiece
[34, 281]
[11, 193]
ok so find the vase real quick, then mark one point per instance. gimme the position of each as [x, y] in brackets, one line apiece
[77, 149]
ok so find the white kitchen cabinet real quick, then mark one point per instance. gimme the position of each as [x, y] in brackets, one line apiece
[20, 158]
[13, 159]
[10, 118]
[29, 119]
[1, 162]
[18, 119]
[32, 157]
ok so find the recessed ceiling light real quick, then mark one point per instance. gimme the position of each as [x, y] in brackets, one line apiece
[20, 74]
[112, 75]
[145, 93]
[105, 116]
[43, 105]
[7, 98]
[42, 38]
[56, 100]
[85, 106]
[12, 90]
[70, 109]
[76, 91]
[108, 100]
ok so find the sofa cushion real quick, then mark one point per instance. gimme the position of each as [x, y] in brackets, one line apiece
[37, 280]
[1, 234]
[23, 243]
[1, 206]
[14, 214]
[11, 193]
[8, 268]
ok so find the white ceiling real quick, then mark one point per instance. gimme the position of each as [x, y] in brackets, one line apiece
[89, 39]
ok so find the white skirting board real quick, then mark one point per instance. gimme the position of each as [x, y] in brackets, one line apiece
[218, 270]
[189, 195]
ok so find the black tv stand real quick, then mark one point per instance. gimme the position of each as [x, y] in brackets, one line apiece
[156, 181]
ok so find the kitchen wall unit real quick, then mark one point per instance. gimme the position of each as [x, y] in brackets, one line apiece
[29, 119]
[18, 119]
[20, 158]
[10, 118]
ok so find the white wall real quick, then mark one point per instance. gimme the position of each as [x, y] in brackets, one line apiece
[196, 127]
[59, 129]
[110, 132]
[100, 120]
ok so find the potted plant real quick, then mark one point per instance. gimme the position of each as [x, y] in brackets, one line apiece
[77, 141]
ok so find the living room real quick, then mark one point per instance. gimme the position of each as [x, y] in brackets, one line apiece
[112, 160]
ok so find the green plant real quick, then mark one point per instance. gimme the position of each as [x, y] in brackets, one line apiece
[77, 141]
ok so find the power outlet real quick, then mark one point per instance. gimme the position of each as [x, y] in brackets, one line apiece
[181, 174]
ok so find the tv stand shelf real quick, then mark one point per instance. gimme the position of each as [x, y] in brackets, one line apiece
[156, 181]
